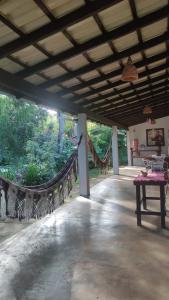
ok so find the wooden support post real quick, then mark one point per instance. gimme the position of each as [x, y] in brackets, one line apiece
[138, 204]
[115, 153]
[162, 205]
[83, 156]
[129, 149]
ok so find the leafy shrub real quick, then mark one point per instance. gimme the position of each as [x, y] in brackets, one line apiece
[8, 173]
[91, 164]
[31, 175]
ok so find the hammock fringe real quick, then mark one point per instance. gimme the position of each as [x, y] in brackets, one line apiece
[26, 202]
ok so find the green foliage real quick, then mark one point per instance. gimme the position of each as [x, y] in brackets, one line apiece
[42, 150]
[122, 147]
[29, 150]
[101, 137]
[31, 175]
[8, 173]
[17, 122]
[29, 142]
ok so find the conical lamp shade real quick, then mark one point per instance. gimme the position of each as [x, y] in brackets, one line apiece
[147, 110]
[129, 72]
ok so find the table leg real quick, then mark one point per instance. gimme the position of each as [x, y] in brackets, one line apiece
[162, 204]
[144, 197]
[138, 204]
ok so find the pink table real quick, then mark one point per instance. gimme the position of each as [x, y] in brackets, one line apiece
[155, 179]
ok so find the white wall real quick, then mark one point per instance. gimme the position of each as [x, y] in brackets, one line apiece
[139, 131]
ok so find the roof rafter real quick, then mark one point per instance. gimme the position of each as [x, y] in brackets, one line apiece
[139, 118]
[103, 62]
[134, 97]
[132, 108]
[115, 84]
[107, 36]
[54, 27]
[12, 83]
[45, 10]
[93, 102]
[104, 76]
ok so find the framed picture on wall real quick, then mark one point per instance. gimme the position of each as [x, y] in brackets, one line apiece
[155, 137]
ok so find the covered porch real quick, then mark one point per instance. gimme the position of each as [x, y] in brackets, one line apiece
[89, 249]
[103, 61]
[71, 56]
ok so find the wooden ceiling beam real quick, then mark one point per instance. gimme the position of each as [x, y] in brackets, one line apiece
[110, 75]
[147, 94]
[139, 33]
[136, 107]
[21, 34]
[106, 37]
[158, 107]
[45, 10]
[118, 112]
[12, 84]
[141, 84]
[141, 119]
[56, 26]
[115, 84]
[92, 103]
[122, 105]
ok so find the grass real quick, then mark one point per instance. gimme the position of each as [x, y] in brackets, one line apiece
[93, 173]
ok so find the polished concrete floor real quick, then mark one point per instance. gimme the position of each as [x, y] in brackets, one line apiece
[89, 249]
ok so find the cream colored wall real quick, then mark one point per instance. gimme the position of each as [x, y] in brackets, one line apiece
[140, 133]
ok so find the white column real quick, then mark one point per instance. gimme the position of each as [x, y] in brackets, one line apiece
[128, 148]
[115, 152]
[83, 156]
[3, 205]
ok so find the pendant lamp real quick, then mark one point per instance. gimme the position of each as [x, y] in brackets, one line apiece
[129, 72]
[147, 110]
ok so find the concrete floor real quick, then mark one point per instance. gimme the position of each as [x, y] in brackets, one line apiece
[89, 249]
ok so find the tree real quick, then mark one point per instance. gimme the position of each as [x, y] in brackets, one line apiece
[101, 137]
[17, 122]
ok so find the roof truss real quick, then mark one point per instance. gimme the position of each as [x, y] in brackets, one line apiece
[102, 96]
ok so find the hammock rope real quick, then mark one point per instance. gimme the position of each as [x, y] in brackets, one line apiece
[101, 163]
[26, 202]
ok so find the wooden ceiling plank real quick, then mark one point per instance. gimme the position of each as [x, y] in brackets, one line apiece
[141, 119]
[106, 76]
[139, 34]
[132, 109]
[45, 10]
[14, 85]
[56, 26]
[106, 37]
[94, 101]
[163, 95]
[127, 102]
[119, 82]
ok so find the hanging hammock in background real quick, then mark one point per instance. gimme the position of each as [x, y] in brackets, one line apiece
[104, 163]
